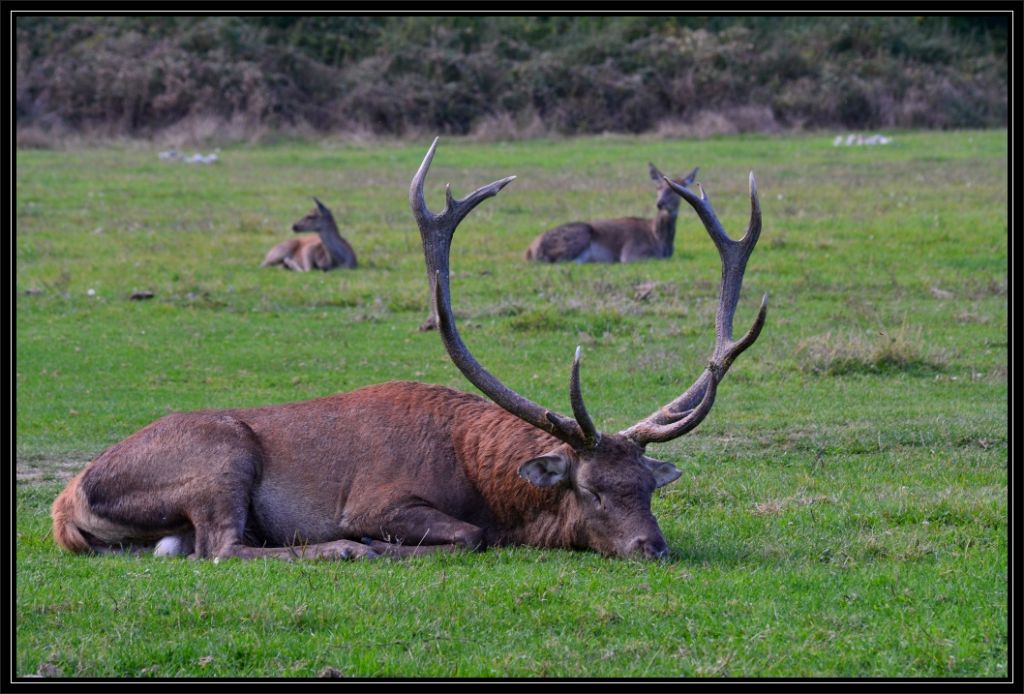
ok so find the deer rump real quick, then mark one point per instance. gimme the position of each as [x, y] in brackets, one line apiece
[576, 240]
[362, 466]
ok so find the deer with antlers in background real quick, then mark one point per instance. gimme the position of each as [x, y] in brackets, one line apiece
[622, 240]
[402, 468]
[326, 251]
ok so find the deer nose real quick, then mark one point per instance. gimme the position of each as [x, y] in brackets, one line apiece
[651, 547]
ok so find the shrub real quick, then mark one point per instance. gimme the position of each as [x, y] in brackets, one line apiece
[137, 76]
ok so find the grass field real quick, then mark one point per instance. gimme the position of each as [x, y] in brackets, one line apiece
[842, 511]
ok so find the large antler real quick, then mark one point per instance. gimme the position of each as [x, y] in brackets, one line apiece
[689, 409]
[436, 231]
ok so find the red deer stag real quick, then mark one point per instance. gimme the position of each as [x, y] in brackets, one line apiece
[324, 252]
[400, 468]
[621, 240]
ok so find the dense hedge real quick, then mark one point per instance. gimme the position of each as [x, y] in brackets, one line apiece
[138, 76]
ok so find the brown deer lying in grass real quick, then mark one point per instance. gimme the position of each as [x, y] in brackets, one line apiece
[401, 468]
[324, 252]
[622, 240]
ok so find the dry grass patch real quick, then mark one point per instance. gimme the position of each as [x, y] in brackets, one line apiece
[904, 349]
[707, 123]
[773, 506]
[507, 127]
[47, 470]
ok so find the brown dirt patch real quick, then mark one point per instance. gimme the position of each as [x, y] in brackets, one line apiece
[48, 469]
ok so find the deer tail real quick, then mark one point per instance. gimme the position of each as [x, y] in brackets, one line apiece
[66, 507]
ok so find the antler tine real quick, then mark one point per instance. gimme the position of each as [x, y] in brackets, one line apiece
[734, 254]
[591, 436]
[442, 226]
[651, 431]
[689, 409]
[436, 232]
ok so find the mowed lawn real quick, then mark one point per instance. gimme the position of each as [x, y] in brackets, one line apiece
[842, 512]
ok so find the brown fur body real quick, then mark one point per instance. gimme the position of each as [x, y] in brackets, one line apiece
[400, 463]
[300, 254]
[606, 241]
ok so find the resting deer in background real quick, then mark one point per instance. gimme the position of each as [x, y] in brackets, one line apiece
[324, 252]
[401, 468]
[621, 240]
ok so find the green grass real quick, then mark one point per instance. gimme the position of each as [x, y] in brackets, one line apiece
[842, 512]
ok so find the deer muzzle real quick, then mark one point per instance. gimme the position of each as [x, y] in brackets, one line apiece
[649, 546]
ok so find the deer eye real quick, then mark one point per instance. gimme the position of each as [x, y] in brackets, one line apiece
[592, 496]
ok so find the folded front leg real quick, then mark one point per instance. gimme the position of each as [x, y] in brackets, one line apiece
[425, 530]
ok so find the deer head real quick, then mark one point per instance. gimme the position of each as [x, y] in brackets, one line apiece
[668, 199]
[609, 475]
[317, 219]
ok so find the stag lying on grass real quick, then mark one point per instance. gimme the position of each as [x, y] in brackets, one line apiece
[622, 240]
[326, 251]
[401, 468]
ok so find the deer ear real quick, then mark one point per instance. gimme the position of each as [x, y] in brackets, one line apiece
[689, 178]
[663, 472]
[320, 206]
[545, 471]
[655, 174]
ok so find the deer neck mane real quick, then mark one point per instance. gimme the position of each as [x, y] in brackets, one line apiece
[555, 526]
[332, 240]
[525, 514]
[664, 227]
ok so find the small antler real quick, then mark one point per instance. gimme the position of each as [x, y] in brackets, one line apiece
[436, 232]
[689, 409]
[591, 436]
